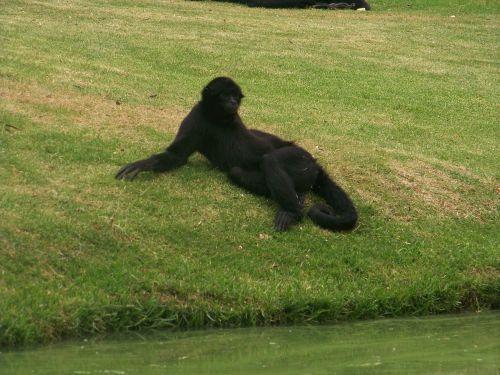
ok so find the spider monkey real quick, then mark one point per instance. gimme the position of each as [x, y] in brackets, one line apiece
[321, 4]
[262, 163]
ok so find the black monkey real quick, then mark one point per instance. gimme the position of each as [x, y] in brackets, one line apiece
[328, 4]
[255, 160]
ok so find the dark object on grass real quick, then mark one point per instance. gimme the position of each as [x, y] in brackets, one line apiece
[355, 4]
[9, 127]
[337, 6]
[258, 161]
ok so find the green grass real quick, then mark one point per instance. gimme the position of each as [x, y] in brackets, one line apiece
[399, 104]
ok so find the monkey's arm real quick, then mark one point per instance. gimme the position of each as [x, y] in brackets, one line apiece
[275, 141]
[176, 155]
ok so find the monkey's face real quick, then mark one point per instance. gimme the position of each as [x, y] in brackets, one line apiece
[229, 102]
[222, 95]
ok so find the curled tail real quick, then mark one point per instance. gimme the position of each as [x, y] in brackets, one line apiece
[341, 215]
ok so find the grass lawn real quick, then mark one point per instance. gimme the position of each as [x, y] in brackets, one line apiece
[400, 105]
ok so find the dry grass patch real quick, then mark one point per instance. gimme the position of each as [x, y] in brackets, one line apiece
[406, 189]
[442, 192]
[106, 116]
[434, 188]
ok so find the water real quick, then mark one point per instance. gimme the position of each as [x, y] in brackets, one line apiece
[466, 344]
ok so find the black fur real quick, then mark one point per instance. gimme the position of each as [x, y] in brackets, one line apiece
[255, 160]
[350, 4]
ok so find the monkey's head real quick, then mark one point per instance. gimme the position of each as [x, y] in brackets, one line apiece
[221, 97]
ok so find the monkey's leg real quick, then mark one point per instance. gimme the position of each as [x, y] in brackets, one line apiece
[252, 181]
[282, 190]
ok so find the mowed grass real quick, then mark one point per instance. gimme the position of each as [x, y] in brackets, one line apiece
[400, 105]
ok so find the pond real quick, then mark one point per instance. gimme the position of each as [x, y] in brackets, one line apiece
[457, 344]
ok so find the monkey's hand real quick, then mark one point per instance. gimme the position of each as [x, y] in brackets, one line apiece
[130, 171]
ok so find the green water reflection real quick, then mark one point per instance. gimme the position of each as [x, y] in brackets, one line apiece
[467, 344]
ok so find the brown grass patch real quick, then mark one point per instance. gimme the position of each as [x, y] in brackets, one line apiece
[485, 273]
[105, 116]
[433, 187]
[417, 188]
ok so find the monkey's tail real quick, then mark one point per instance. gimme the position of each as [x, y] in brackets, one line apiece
[341, 215]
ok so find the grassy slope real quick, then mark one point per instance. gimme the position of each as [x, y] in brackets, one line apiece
[400, 105]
